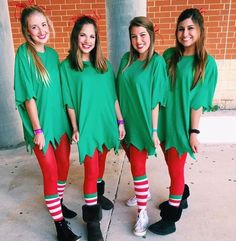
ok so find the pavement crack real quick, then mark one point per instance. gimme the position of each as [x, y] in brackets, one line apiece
[116, 194]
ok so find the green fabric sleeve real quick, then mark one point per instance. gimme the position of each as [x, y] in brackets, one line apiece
[109, 66]
[202, 95]
[23, 85]
[67, 100]
[160, 83]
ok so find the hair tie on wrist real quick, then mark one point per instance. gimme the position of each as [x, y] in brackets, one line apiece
[120, 122]
[154, 130]
[38, 131]
[196, 131]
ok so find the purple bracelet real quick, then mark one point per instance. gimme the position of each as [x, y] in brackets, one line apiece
[120, 122]
[38, 131]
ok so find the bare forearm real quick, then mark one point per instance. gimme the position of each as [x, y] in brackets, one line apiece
[118, 111]
[32, 111]
[155, 113]
[72, 116]
[195, 118]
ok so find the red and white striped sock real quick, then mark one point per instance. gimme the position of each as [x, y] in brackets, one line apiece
[61, 188]
[141, 188]
[54, 207]
[90, 199]
[174, 200]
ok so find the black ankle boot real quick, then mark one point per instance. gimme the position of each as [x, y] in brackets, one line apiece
[162, 227]
[105, 203]
[92, 215]
[67, 213]
[166, 225]
[64, 233]
[184, 201]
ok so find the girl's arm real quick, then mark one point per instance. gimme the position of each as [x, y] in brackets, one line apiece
[72, 116]
[155, 138]
[119, 117]
[32, 111]
[195, 119]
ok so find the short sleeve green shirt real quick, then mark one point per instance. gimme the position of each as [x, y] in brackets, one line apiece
[27, 84]
[139, 91]
[92, 96]
[175, 118]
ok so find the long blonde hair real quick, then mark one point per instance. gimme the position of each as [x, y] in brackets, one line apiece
[41, 70]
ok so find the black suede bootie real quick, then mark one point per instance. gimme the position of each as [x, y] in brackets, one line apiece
[105, 203]
[184, 201]
[166, 225]
[64, 232]
[92, 215]
[67, 213]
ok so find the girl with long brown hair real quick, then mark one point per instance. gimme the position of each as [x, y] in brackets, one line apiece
[192, 78]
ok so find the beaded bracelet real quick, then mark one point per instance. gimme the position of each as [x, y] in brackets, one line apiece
[38, 131]
[120, 122]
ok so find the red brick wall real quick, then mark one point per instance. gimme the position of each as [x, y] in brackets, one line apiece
[220, 18]
[61, 13]
[220, 23]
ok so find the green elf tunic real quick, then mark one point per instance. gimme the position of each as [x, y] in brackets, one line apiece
[92, 96]
[28, 84]
[140, 91]
[175, 118]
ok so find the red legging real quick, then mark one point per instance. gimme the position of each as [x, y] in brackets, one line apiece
[175, 164]
[137, 160]
[94, 168]
[54, 164]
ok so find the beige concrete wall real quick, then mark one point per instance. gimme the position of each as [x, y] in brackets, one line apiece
[225, 95]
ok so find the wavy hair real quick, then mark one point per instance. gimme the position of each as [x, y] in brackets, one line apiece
[200, 55]
[75, 55]
[141, 21]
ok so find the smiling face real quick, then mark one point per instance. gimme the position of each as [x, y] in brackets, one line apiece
[187, 35]
[140, 40]
[38, 30]
[86, 40]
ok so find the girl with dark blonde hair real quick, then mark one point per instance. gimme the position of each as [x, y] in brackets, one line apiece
[89, 94]
[142, 89]
[192, 76]
[39, 101]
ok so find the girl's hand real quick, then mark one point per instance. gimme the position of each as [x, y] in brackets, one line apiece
[122, 131]
[39, 140]
[194, 143]
[75, 136]
[155, 139]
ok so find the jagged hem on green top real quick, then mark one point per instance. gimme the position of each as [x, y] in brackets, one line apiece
[54, 142]
[205, 108]
[151, 150]
[82, 155]
[180, 151]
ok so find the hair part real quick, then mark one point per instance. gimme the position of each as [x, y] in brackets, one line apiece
[28, 11]
[75, 55]
[141, 21]
[200, 55]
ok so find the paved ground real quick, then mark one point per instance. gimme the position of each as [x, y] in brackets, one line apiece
[211, 215]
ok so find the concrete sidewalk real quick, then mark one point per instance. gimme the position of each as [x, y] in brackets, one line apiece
[211, 215]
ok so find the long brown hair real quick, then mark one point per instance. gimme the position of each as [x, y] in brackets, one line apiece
[30, 44]
[75, 56]
[141, 21]
[200, 56]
